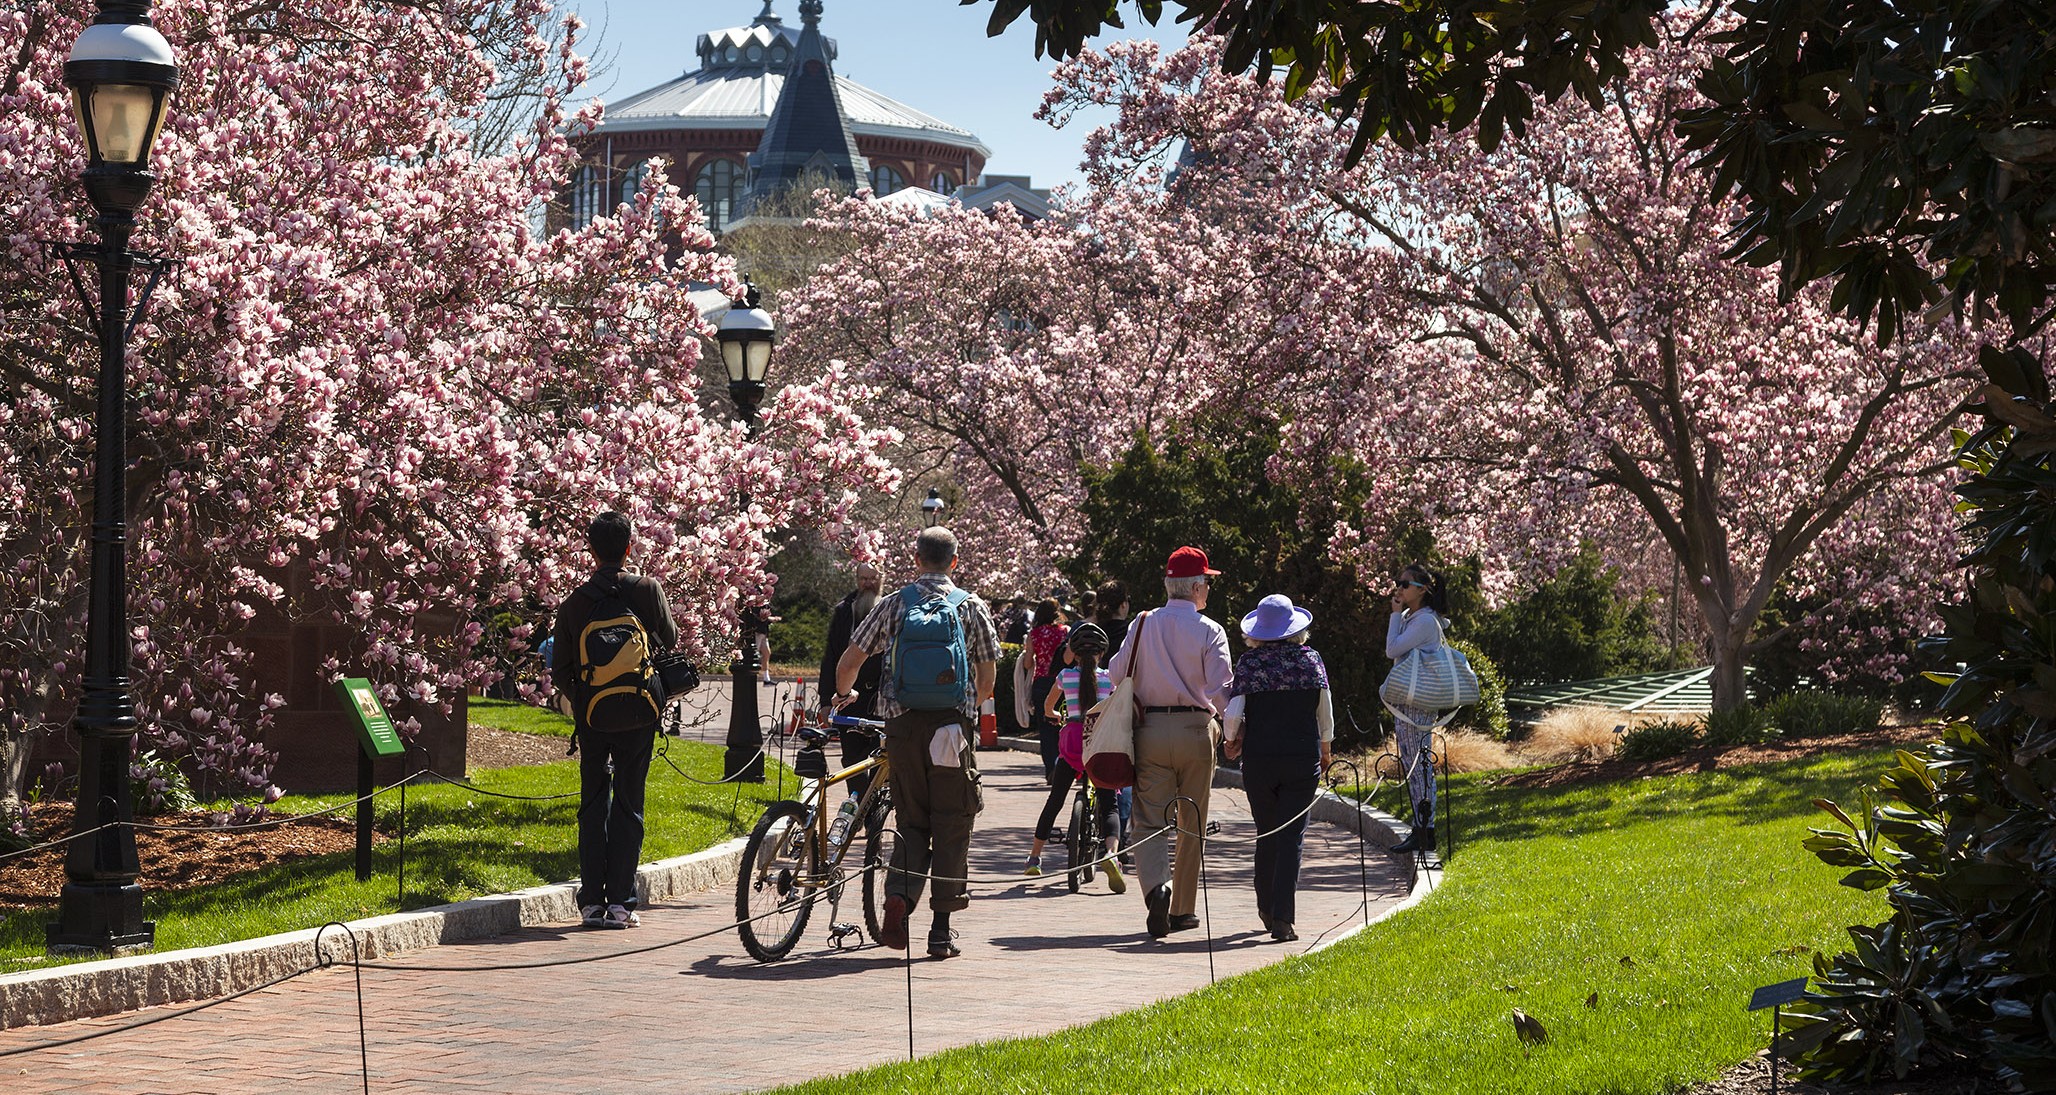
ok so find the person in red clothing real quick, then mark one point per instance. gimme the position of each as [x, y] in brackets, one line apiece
[1045, 640]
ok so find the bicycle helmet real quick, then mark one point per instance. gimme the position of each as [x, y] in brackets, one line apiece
[1088, 639]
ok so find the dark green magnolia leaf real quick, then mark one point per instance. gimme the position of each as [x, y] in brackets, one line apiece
[1866, 878]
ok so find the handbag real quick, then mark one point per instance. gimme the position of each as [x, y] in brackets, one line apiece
[1110, 729]
[1431, 678]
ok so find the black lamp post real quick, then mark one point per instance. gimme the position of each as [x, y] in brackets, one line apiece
[122, 75]
[746, 333]
[931, 507]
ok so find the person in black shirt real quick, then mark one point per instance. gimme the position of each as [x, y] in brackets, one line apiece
[614, 767]
[849, 612]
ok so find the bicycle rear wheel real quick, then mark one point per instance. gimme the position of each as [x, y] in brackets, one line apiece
[774, 890]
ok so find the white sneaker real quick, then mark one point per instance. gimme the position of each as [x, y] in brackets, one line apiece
[620, 916]
[593, 916]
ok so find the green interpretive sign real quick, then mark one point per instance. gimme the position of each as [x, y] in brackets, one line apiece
[374, 726]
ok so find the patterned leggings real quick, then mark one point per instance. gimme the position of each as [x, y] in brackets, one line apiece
[1415, 746]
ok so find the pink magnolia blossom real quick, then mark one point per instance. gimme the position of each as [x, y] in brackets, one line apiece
[371, 390]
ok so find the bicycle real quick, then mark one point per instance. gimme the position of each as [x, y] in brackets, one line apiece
[794, 855]
[1083, 841]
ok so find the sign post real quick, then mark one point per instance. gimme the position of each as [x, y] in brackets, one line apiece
[375, 732]
[1775, 997]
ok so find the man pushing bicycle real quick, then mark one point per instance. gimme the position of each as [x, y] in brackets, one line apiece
[941, 656]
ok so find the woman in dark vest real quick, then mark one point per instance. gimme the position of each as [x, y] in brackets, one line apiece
[1281, 722]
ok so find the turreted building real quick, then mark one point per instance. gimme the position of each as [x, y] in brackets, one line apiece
[764, 108]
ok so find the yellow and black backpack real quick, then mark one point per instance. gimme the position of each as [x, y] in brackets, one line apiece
[615, 665]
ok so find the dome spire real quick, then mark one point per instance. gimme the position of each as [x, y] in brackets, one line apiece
[767, 17]
[810, 13]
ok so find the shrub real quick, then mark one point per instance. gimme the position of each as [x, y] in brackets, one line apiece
[1744, 725]
[1657, 740]
[1960, 841]
[1488, 715]
[1814, 714]
[1576, 626]
[158, 786]
[1467, 752]
[1577, 734]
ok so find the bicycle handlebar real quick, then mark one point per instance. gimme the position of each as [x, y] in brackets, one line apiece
[854, 721]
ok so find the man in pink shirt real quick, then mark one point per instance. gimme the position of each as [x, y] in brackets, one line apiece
[1180, 663]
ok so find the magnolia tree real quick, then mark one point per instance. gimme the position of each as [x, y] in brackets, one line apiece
[370, 391]
[1544, 341]
[1015, 352]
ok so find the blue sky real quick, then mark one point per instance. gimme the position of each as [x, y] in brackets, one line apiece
[929, 54]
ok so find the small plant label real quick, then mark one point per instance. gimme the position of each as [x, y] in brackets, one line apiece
[1778, 995]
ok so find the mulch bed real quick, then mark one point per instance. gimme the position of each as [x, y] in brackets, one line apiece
[1752, 1077]
[204, 855]
[1710, 758]
[208, 854]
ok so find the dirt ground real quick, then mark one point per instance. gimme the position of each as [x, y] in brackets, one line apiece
[202, 854]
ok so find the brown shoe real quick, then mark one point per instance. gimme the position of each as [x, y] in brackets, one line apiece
[893, 932]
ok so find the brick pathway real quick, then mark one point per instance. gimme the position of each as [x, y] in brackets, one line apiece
[702, 1016]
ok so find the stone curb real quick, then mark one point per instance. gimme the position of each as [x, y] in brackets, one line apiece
[110, 986]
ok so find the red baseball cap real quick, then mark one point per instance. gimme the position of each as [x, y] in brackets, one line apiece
[1187, 562]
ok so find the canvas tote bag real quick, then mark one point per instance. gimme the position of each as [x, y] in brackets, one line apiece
[1110, 728]
[1431, 678]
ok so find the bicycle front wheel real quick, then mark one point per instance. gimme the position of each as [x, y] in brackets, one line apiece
[776, 885]
[1077, 848]
[877, 853]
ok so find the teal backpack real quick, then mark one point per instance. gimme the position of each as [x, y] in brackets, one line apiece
[930, 665]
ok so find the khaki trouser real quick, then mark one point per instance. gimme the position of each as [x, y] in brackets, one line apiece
[1174, 756]
[935, 806]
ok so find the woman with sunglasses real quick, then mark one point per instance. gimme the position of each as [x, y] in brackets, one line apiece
[1419, 608]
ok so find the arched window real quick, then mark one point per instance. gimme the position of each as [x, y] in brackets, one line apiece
[632, 180]
[884, 180]
[585, 195]
[718, 186]
[941, 183]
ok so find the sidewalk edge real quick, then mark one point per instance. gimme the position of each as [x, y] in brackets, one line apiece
[114, 985]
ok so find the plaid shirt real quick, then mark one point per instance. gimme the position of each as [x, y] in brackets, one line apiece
[878, 631]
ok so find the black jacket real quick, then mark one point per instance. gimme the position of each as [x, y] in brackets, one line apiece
[645, 597]
[840, 626]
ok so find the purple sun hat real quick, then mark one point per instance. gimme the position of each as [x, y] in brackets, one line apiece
[1274, 618]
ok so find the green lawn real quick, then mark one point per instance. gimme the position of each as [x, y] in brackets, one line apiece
[1670, 898]
[519, 717]
[460, 844]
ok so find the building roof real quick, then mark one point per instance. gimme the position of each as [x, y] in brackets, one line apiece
[736, 88]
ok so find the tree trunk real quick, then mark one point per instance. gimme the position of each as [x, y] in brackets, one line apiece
[1730, 686]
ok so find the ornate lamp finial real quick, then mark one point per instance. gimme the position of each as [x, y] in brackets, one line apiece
[810, 12]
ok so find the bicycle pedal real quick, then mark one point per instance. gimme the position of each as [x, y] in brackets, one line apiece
[840, 932]
[1213, 828]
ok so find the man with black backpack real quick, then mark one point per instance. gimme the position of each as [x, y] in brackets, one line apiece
[603, 659]
[940, 651]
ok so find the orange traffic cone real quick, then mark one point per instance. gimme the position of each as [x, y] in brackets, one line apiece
[988, 726]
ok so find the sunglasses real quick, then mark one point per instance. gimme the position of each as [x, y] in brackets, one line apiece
[1403, 583]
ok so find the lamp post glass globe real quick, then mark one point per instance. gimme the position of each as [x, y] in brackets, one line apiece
[122, 74]
[931, 506]
[747, 334]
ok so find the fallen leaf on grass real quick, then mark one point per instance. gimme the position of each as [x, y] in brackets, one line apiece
[1592, 1001]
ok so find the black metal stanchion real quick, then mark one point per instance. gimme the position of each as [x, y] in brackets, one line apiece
[1363, 869]
[322, 960]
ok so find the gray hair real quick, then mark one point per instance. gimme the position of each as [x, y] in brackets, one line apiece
[1182, 589]
[935, 547]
